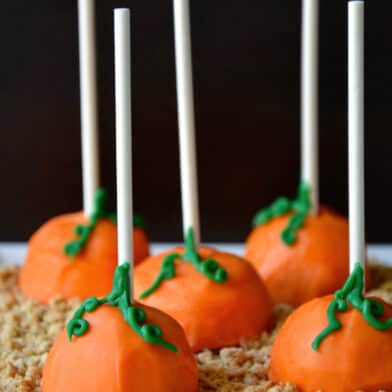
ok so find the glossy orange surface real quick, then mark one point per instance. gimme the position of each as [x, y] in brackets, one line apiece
[111, 357]
[356, 357]
[48, 272]
[315, 265]
[212, 314]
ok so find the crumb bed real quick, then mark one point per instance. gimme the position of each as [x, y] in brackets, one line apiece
[27, 330]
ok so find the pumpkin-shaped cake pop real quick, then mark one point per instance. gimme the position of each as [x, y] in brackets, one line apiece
[60, 262]
[217, 298]
[298, 255]
[119, 351]
[333, 345]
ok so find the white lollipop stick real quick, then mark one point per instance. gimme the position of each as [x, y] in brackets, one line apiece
[122, 48]
[309, 100]
[186, 118]
[88, 103]
[356, 132]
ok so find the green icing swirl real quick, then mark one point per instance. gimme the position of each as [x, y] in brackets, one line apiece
[168, 271]
[352, 294]
[135, 317]
[208, 267]
[301, 206]
[83, 232]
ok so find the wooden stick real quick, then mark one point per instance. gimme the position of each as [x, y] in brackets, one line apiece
[186, 118]
[356, 132]
[88, 103]
[122, 44]
[309, 100]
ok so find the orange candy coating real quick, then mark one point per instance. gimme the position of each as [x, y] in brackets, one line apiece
[212, 314]
[48, 271]
[356, 357]
[111, 357]
[141, 247]
[315, 265]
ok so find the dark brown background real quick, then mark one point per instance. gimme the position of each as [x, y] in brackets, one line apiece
[246, 66]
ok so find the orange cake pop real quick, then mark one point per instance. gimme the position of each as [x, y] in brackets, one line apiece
[126, 347]
[217, 297]
[75, 255]
[299, 256]
[115, 346]
[298, 248]
[340, 343]
[58, 264]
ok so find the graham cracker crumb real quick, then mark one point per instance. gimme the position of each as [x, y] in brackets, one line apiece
[28, 329]
[242, 368]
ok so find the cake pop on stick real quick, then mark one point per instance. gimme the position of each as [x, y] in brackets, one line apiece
[93, 196]
[217, 297]
[75, 255]
[299, 248]
[324, 343]
[113, 343]
[89, 134]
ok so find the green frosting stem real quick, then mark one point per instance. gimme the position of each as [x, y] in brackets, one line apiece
[300, 206]
[352, 294]
[208, 267]
[83, 232]
[119, 297]
[168, 271]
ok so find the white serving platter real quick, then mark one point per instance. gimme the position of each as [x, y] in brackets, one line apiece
[14, 252]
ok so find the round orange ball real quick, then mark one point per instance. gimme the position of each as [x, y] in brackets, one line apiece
[111, 357]
[315, 265]
[212, 314]
[48, 272]
[355, 358]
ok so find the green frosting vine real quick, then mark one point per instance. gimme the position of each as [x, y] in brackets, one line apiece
[168, 271]
[208, 267]
[301, 206]
[83, 232]
[119, 297]
[352, 294]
